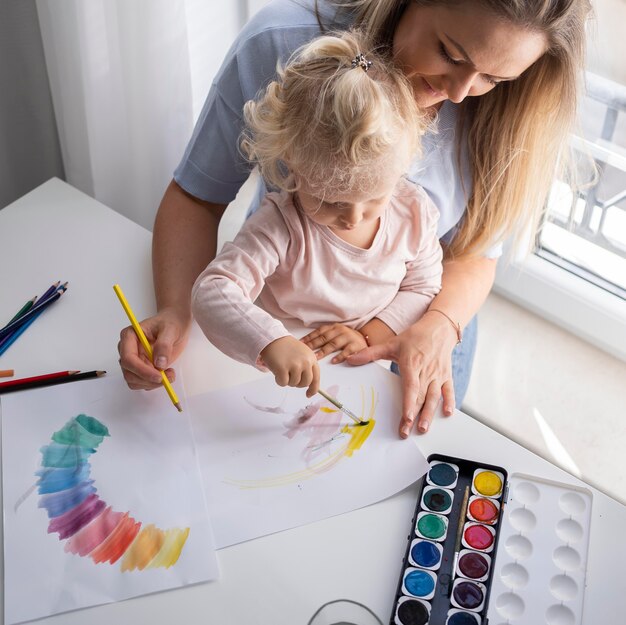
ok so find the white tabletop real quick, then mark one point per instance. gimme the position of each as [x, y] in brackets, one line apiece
[57, 233]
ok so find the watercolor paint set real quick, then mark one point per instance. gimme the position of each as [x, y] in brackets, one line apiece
[465, 509]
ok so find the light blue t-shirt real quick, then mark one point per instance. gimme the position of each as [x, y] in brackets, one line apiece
[213, 167]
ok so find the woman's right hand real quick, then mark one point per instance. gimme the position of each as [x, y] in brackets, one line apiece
[423, 354]
[167, 332]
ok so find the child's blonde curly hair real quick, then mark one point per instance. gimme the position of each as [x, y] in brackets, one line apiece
[331, 122]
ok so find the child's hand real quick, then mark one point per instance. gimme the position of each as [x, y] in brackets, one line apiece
[333, 338]
[292, 363]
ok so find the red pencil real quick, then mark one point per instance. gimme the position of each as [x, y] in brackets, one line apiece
[36, 378]
[64, 379]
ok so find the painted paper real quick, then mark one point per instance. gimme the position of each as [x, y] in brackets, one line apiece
[271, 459]
[102, 498]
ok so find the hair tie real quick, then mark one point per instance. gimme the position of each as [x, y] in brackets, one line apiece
[362, 62]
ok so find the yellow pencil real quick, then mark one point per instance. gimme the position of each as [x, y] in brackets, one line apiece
[146, 345]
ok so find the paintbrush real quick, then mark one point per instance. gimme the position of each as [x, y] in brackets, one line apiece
[338, 404]
[459, 533]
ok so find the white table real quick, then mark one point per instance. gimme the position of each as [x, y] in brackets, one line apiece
[57, 233]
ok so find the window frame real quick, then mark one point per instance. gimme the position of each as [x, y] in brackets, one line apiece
[565, 299]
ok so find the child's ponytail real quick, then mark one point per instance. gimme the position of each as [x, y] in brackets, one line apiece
[336, 114]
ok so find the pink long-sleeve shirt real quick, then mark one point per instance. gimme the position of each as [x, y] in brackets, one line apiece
[296, 269]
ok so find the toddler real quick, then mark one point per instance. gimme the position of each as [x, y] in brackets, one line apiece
[346, 244]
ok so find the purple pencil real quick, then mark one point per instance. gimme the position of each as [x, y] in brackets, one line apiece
[11, 327]
[49, 292]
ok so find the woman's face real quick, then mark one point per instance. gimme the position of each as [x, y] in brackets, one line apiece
[449, 53]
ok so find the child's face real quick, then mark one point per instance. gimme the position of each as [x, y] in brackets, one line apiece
[346, 211]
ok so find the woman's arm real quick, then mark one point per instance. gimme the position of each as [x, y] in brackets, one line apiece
[185, 232]
[423, 352]
[184, 242]
[464, 288]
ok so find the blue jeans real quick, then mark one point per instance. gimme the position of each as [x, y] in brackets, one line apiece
[462, 360]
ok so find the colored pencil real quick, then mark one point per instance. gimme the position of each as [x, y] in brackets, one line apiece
[75, 377]
[24, 309]
[11, 327]
[50, 291]
[146, 344]
[338, 404]
[7, 373]
[46, 376]
[8, 340]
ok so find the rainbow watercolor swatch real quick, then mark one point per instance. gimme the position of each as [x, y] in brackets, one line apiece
[93, 475]
[76, 513]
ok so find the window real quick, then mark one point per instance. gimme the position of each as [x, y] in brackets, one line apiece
[577, 274]
[585, 231]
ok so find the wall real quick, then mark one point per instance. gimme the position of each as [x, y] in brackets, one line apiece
[29, 150]
[606, 49]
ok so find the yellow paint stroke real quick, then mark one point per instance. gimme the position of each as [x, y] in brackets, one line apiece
[325, 409]
[143, 549]
[173, 544]
[357, 434]
[154, 547]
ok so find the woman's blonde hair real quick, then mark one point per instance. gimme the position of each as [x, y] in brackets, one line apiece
[515, 132]
[340, 121]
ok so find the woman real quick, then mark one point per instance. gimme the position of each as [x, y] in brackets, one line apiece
[501, 77]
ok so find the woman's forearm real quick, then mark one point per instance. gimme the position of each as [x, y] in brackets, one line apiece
[465, 286]
[184, 242]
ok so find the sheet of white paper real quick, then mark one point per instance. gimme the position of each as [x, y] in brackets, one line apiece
[271, 459]
[146, 467]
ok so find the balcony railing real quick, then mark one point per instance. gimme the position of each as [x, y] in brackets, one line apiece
[585, 228]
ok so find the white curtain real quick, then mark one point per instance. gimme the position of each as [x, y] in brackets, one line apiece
[128, 78]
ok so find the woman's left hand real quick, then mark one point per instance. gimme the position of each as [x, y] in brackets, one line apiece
[335, 337]
[424, 357]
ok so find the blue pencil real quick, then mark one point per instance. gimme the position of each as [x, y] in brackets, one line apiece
[34, 301]
[7, 341]
[51, 291]
[33, 312]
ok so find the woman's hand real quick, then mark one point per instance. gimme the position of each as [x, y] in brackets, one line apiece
[335, 337]
[167, 332]
[292, 363]
[423, 353]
